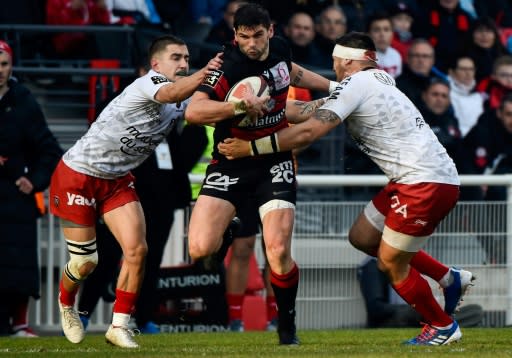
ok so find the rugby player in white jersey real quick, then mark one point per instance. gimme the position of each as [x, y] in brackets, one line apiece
[423, 181]
[93, 180]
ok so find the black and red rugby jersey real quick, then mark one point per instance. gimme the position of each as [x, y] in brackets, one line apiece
[276, 71]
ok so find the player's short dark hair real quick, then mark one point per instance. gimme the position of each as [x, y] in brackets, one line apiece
[357, 40]
[251, 15]
[160, 43]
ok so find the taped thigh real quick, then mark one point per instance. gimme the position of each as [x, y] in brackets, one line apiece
[80, 254]
[403, 242]
[274, 204]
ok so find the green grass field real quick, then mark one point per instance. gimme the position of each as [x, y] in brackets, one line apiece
[477, 342]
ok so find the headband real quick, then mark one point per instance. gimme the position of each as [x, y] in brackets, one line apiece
[4, 47]
[351, 53]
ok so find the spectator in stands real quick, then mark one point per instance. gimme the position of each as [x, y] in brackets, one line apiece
[356, 12]
[133, 12]
[489, 149]
[499, 83]
[222, 31]
[467, 103]
[385, 308]
[489, 144]
[300, 34]
[437, 112]
[79, 13]
[28, 154]
[484, 47]
[418, 72]
[207, 11]
[402, 18]
[380, 30]
[331, 23]
[498, 10]
[446, 25]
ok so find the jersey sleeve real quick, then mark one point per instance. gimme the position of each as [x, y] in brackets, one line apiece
[149, 84]
[347, 97]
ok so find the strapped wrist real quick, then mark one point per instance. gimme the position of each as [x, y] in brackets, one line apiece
[265, 145]
[240, 108]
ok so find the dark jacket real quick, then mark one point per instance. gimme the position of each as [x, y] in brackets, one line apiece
[446, 128]
[447, 31]
[31, 151]
[489, 149]
[413, 84]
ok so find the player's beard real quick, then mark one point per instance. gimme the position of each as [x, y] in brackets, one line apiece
[258, 55]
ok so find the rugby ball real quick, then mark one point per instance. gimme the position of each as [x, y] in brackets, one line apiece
[256, 85]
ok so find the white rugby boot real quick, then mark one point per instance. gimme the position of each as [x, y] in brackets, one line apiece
[121, 337]
[71, 323]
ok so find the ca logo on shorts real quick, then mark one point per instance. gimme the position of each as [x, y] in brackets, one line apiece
[218, 181]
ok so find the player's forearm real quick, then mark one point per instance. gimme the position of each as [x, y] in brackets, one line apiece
[181, 89]
[206, 111]
[284, 140]
[300, 111]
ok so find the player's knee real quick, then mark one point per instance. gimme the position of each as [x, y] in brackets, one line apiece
[83, 260]
[278, 252]
[136, 255]
[199, 249]
[242, 249]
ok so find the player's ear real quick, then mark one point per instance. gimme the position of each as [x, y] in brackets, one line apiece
[271, 30]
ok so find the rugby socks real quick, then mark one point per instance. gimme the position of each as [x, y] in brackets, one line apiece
[67, 298]
[430, 267]
[124, 306]
[235, 303]
[416, 291]
[271, 308]
[125, 301]
[285, 290]
[19, 313]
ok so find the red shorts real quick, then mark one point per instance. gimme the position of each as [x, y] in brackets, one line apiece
[415, 209]
[82, 198]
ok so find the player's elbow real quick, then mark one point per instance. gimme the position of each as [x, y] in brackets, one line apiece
[305, 137]
[192, 115]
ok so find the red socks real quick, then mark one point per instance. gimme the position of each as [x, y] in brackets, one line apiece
[416, 291]
[125, 302]
[67, 298]
[428, 266]
[271, 308]
[235, 302]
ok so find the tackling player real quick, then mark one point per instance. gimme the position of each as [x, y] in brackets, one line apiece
[93, 179]
[423, 181]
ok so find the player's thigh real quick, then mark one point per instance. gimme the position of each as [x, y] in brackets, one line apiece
[210, 218]
[78, 233]
[364, 234]
[278, 228]
[127, 224]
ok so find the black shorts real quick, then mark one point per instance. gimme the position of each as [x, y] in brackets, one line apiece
[250, 217]
[255, 183]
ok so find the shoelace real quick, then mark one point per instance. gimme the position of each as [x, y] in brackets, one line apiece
[72, 316]
[427, 333]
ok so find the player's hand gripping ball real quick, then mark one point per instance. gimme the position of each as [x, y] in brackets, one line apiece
[241, 94]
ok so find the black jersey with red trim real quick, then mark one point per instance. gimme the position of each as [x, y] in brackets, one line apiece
[237, 66]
